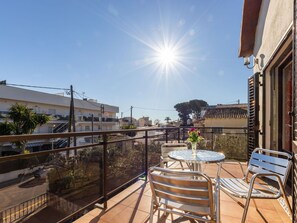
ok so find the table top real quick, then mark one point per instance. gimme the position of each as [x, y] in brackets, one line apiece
[202, 156]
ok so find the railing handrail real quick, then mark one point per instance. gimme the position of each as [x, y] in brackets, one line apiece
[15, 138]
[163, 132]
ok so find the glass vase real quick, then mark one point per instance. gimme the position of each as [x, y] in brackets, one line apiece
[194, 148]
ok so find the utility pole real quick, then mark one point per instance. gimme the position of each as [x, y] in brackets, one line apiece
[71, 117]
[92, 128]
[131, 115]
[102, 112]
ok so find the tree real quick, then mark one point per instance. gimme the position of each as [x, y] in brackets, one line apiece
[184, 111]
[157, 122]
[167, 119]
[196, 105]
[22, 120]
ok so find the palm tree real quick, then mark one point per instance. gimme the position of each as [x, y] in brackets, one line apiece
[167, 119]
[22, 120]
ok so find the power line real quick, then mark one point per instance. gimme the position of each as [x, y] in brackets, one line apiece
[34, 86]
[155, 109]
[90, 102]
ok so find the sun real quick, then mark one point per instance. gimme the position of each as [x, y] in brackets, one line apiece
[167, 56]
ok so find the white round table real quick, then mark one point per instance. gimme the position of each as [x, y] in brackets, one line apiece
[195, 160]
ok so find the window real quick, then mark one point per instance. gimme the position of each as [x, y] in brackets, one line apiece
[282, 106]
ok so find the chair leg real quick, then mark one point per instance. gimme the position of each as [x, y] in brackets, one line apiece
[288, 204]
[151, 212]
[181, 165]
[246, 207]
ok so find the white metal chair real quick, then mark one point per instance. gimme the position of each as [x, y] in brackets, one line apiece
[272, 165]
[188, 194]
[168, 147]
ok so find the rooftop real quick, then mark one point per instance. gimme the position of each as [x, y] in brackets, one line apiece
[225, 113]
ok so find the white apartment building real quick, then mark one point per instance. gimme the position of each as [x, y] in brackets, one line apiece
[58, 107]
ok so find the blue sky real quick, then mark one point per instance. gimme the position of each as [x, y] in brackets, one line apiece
[110, 50]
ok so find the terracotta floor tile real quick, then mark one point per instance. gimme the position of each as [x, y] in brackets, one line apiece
[133, 205]
[129, 215]
[87, 219]
[144, 204]
[227, 219]
[115, 210]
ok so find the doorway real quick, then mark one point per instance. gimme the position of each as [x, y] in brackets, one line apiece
[282, 106]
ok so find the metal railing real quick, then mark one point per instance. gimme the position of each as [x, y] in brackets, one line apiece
[24, 209]
[75, 178]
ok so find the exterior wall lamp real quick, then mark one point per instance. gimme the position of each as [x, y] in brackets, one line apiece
[247, 62]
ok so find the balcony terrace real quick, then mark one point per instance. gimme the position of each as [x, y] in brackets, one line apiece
[133, 204]
[63, 185]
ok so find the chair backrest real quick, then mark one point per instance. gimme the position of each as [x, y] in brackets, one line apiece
[270, 161]
[168, 147]
[188, 188]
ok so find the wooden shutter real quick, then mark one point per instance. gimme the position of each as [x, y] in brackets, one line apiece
[253, 113]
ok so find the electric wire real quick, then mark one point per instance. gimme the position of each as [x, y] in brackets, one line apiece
[154, 109]
[35, 86]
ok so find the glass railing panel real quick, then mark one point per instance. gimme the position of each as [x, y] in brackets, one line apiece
[230, 141]
[172, 135]
[49, 185]
[157, 138]
[125, 161]
[233, 145]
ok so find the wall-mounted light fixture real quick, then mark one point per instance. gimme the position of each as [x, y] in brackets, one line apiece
[247, 62]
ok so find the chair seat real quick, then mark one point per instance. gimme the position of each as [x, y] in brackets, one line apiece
[185, 207]
[239, 188]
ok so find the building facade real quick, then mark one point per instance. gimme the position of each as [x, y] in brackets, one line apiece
[89, 115]
[231, 118]
[268, 46]
[144, 121]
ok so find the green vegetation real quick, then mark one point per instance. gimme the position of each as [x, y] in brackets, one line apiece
[22, 120]
[193, 107]
[131, 126]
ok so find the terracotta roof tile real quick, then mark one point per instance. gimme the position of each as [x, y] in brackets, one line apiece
[226, 113]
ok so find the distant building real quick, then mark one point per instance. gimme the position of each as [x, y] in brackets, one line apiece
[57, 107]
[222, 116]
[126, 121]
[144, 121]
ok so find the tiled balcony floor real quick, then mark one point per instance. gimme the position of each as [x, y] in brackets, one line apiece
[133, 205]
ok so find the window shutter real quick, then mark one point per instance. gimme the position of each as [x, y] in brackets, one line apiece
[253, 113]
[294, 81]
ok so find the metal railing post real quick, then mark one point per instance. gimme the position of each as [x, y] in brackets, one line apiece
[212, 139]
[178, 134]
[166, 135]
[105, 171]
[146, 154]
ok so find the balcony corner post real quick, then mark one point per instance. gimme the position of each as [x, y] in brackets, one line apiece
[146, 154]
[105, 139]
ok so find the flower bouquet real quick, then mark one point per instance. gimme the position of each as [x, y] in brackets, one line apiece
[194, 138]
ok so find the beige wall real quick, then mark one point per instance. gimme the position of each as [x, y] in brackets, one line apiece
[220, 122]
[275, 21]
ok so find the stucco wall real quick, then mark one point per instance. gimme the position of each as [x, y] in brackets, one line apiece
[219, 122]
[274, 20]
